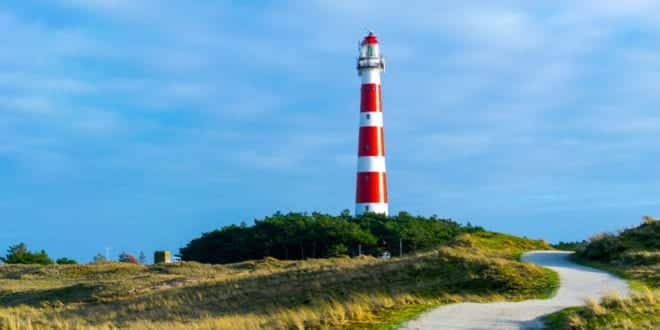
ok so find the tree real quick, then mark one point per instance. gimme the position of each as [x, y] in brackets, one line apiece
[337, 250]
[66, 261]
[125, 257]
[142, 258]
[317, 235]
[19, 254]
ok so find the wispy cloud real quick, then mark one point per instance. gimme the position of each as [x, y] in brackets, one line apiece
[511, 109]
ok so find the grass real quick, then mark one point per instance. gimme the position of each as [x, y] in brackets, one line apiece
[640, 311]
[502, 245]
[353, 293]
[634, 258]
[390, 318]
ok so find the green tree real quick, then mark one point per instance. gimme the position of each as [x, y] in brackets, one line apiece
[66, 261]
[19, 254]
[317, 235]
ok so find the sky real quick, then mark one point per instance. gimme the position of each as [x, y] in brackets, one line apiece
[138, 125]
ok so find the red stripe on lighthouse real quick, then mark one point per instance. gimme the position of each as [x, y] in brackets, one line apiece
[371, 99]
[371, 141]
[371, 187]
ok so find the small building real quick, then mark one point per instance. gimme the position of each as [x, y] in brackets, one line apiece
[162, 257]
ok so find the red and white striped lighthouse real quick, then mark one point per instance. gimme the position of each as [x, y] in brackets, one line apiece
[371, 188]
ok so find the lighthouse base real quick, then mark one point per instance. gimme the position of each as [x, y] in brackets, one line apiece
[362, 208]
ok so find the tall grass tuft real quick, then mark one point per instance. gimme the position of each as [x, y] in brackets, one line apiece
[595, 309]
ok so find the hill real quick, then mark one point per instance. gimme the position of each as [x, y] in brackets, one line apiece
[296, 236]
[634, 254]
[362, 292]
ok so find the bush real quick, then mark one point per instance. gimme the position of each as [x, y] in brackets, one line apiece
[602, 247]
[638, 245]
[125, 257]
[644, 237]
[66, 261]
[569, 246]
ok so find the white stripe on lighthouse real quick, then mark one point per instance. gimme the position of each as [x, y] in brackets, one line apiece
[371, 76]
[371, 164]
[361, 208]
[371, 118]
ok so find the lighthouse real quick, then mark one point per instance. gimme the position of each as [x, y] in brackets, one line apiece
[371, 186]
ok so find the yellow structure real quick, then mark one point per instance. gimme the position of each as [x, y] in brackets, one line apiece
[162, 257]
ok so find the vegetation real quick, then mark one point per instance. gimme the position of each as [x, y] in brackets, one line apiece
[634, 254]
[66, 261]
[640, 311]
[569, 246]
[125, 257]
[296, 236]
[361, 292]
[19, 254]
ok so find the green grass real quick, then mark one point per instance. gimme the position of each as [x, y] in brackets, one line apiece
[389, 319]
[316, 293]
[503, 245]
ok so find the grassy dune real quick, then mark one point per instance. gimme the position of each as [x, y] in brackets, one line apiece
[633, 254]
[316, 293]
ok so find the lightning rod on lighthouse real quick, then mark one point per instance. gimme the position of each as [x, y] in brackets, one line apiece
[371, 187]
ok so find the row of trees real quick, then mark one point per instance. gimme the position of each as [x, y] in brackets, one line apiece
[317, 235]
[123, 257]
[19, 254]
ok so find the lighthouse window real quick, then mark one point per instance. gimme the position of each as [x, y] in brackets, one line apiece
[368, 116]
[366, 178]
[370, 50]
[366, 146]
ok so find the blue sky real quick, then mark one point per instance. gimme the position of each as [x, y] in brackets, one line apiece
[137, 125]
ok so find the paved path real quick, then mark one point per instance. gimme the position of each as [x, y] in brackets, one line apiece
[577, 284]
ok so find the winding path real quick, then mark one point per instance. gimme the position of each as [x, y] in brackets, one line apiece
[577, 284]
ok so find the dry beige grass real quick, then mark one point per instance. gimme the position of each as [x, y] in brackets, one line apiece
[639, 311]
[594, 308]
[269, 293]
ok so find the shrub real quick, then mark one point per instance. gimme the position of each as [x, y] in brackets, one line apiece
[569, 246]
[602, 247]
[125, 257]
[66, 261]
[633, 246]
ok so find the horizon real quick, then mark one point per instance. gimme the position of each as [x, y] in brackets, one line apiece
[137, 127]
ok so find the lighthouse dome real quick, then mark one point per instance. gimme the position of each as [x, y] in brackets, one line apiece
[370, 39]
